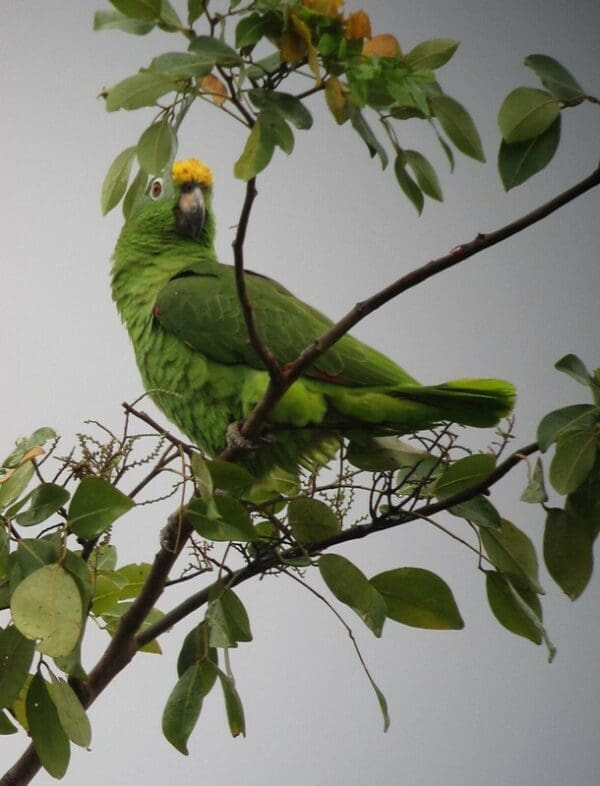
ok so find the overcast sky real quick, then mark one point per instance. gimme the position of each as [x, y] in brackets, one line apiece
[470, 707]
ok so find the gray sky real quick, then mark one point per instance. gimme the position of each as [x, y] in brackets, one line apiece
[477, 706]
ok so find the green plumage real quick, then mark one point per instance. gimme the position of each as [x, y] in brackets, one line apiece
[182, 312]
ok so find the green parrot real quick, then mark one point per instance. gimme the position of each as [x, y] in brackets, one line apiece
[181, 309]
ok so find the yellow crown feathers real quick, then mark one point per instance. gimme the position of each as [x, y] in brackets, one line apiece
[191, 171]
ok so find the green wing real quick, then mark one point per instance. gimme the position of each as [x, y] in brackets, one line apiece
[201, 307]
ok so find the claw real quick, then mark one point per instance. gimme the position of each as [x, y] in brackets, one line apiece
[235, 438]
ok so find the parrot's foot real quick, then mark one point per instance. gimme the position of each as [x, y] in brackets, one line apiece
[235, 438]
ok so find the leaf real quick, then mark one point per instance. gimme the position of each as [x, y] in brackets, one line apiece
[16, 484]
[180, 65]
[425, 174]
[185, 702]
[232, 478]
[568, 552]
[134, 193]
[16, 654]
[215, 88]
[575, 368]
[195, 10]
[408, 185]
[228, 620]
[379, 454]
[363, 129]
[114, 20]
[138, 9]
[169, 20]
[113, 619]
[44, 500]
[47, 607]
[95, 506]
[458, 125]
[214, 52]
[479, 511]
[464, 474]
[509, 612]
[202, 477]
[336, 99]
[195, 648]
[134, 577]
[279, 131]
[312, 520]
[107, 591]
[419, 598]
[519, 161]
[433, 54]
[256, 155]
[584, 503]
[250, 30]
[351, 586]
[559, 422]
[535, 491]
[25, 446]
[574, 458]
[512, 553]
[232, 522]
[233, 706]
[71, 714]
[286, 104]
[139, 90]
[526, 113]
[555, 77]
[49, 740]
[156, 147]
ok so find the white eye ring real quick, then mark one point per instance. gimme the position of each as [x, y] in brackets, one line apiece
[156, 188]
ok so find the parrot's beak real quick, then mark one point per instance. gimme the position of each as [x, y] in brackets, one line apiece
[190, 211]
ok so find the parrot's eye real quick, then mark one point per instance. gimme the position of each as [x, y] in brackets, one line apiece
[156, 188]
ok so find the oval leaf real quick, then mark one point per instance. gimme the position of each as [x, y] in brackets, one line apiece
[479, 511]
[233, 706]
[408, 185]
[45, 500]
[114, 20]
[559, 422]
[312, 520]
[16, 654]
[568, 552]
[512, 553]
[425, 174]
[213, 51]
[156, 146]
[509, 612]
[95, 506]
[138, 9]
[417, 597]
[573, 460]
[232, 521]
[526, 113]
[433, 54]
[49, 740]
[71, 714]
[47, 607]
[115, 182]
[185, 702]
[555, 77]
[138, 90]
[519, 161]
[351, 586]
[459, 126]
[256, 155]
[464, 474]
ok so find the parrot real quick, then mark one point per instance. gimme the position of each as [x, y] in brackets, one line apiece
[181, 309]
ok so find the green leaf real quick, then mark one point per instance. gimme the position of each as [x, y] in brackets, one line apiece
[71, 714]
[464, 474]
[232, 522]
[214, 52]
[6, 727]
[134, 193]
[432, 54]
[195, 10]
[195, 648]
[139, 90]
[228, 620]
[312, 520]
[233, 706]
[575, 368]
[380, 454]
[526, 113]
[407, 184]
[49, 740]
[555, 77]
[47, 607]
[16, 484]
[363, 129]
[573, 460]
[351, 586]
[479, 511]
[107, 591]
[458, 125]
[275, 126]
[419, 598]
[95, 506]
[39, 437]
[560, 422]
[32, 554]
[519, 161]
[185, 702]
[584, 503]
[113, 619]
[513, 553]
[156, 146]
[203, 478]
[138, 9]
[44, 500]
[169, 20]
[180, 65]
[568, 552]
[287, 105]
[114, 20]
[16, 654]
[535, 491]
[250, 30]
[427, 178]
[230, 477]
[256, 155]
[134, 577]
[509, 612]
[117, 177]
